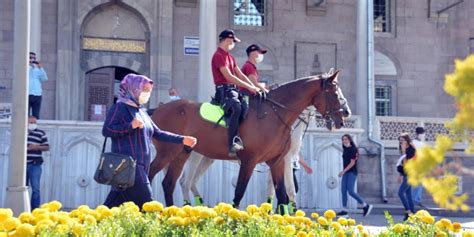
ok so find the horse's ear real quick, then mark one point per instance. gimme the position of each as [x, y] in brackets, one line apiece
[334, 76]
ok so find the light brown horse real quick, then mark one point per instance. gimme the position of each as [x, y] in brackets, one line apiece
[266, 138]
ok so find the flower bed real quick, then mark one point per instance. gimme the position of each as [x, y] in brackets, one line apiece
[222, 220]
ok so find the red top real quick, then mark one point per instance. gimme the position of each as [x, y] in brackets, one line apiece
[221, 58]
[249, 69]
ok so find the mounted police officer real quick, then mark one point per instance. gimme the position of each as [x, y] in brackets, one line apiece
[227, 77]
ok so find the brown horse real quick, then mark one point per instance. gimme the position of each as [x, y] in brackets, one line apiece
[266, 138]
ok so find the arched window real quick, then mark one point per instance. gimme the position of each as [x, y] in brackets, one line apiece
[385, 72]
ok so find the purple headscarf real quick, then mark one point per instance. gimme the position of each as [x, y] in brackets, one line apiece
[131, 87]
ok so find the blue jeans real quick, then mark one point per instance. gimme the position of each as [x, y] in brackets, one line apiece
[416, 193]
[347, 186]
[33, 176]
[405, 195]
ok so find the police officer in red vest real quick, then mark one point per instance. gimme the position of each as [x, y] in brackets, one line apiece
[227, 77]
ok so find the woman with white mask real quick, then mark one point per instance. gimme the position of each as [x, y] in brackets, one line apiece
[131, 130]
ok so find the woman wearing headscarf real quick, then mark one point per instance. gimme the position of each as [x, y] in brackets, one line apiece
[131, 130]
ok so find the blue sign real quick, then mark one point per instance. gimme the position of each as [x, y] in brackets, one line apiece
[191, 45]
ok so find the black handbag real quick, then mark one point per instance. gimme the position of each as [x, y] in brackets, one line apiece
[115, 169]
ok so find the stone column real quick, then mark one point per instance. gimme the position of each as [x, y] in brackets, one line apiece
[362, 64]
[17, 193]
[207, 47]
[35, 28]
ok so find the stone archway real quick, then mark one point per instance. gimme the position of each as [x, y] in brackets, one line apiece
[115, 41]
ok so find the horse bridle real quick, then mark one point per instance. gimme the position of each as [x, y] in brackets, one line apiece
[328, 113]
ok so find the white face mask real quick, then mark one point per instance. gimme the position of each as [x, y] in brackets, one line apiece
[32, 126]
[259, 58]
[144, 97]
[422, 137]
[174, 97]
[231, 46]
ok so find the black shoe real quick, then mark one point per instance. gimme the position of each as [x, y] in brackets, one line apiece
[406, 217]
[367, 210]
[341, 213]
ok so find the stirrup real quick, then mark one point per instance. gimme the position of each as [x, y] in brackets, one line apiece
[237, 144]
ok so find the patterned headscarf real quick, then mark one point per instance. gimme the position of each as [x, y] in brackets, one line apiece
[131, 87]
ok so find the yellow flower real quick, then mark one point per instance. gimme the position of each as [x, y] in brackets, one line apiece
[336, 226]
[342, 221]
[341, 233]
[322, 220]
[266, 207]
[26, 217]
[89, 219]
[251, 209]
[83, 208]
[290, 229]
[312, 234]
[351, 222]
[457, 227]
[38, 211]
[219, 220]
[447, 224]
[329, 214]
[360, 227]
[11, 223]
[300, 213]
[301, 234]
[182, 213]
[78, 229]
[153, 206]
[365, 233]
[299, 219]
[428, 219]
[399, 228]
[422, 213]
[170, 211]
[234, 213]
[440, 234]
[278, 218]
[54, 206]
[314, 215]
[25, 230]
[174, 220]
[5, 214]
[40, 225]
[468, 233]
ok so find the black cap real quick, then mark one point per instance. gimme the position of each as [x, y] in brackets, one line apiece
[419, 130]
[255, 47]
[228, 34]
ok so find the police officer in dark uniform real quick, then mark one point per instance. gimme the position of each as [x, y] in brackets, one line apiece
[227, 77]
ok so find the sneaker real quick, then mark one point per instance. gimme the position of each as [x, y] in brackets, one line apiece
[367, 210]
[342, 213]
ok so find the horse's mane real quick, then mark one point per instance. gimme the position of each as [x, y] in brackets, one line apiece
[290, 86]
